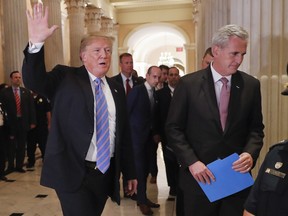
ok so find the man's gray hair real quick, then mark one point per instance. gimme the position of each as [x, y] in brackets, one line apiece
[221, 37]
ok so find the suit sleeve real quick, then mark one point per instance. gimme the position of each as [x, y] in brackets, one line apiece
[127, 155]
[176, 126]
[256, 134]
[36, 77]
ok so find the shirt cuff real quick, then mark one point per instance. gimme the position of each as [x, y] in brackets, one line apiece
[35, 47]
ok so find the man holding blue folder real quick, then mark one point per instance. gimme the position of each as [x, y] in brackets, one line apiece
[216, 112]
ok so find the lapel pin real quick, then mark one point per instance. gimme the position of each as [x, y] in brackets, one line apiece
[278, 165]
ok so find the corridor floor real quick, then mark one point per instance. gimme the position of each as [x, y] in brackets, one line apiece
[24, 196]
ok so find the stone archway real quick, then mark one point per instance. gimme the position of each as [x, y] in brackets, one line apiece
[148, 41]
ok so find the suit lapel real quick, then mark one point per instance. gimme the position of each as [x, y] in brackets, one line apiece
[86, 87]
[145, 93]
[114, 92]
[208, 88]
[235, 96]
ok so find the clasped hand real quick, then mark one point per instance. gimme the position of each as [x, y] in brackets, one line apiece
[201, 173]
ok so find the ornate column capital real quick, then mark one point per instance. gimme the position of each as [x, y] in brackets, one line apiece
[93, 18]
[73, 6]
[107, 25]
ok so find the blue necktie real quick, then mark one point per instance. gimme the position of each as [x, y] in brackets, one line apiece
[102, 129]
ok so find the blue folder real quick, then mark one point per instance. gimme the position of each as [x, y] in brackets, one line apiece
[227, 181]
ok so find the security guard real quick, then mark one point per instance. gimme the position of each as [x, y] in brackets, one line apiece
[269, 194]
[39, 134]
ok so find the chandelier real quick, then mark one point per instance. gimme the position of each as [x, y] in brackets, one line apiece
[166, 59]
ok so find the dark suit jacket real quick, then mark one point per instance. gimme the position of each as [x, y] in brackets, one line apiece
[135, 80]
[72, 124]
[163, 103]
[27, 108]
[141, 117]
[193, 124]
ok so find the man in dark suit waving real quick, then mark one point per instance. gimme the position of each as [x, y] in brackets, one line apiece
[85, 150]
[216, 112]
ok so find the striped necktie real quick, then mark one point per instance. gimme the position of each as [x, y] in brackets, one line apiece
[18, 102]
[102, 129]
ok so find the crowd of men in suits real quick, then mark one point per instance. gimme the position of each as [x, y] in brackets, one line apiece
[148, 104]
[212, 113]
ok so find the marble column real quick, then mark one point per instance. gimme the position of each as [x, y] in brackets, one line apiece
[190, 50]
[54, 53]
[76, 16]
[93, 18]
[2, 75]
[106, 25]
[196, 14]
[114, 69]
[15, 34]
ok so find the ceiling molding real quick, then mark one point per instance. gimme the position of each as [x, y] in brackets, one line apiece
[134, 4]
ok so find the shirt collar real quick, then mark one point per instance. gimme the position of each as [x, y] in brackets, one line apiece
[92, 78]
[124, 77]
[148, 87]
[171, 88]
[216, 76]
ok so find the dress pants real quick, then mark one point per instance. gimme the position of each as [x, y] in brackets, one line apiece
[36, 136]
[17, 146]
[2, 151]
[142, 170]
[171, 167]
[196, 202]
[153, 167]
[91, 197]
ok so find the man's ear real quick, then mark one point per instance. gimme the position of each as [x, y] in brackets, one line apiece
[82, 56]
[215, 50]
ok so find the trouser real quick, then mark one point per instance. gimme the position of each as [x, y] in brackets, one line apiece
[36, 136]
[197, 203]
[2, 151]
[153, 167]
[91, 198]
[17, 146]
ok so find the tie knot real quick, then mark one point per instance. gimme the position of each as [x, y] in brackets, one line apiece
[224, 80]
[98, 81]
[127, 80]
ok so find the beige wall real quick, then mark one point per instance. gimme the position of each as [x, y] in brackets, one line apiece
[2, 76]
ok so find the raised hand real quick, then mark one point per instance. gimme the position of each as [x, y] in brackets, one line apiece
[38, 24]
